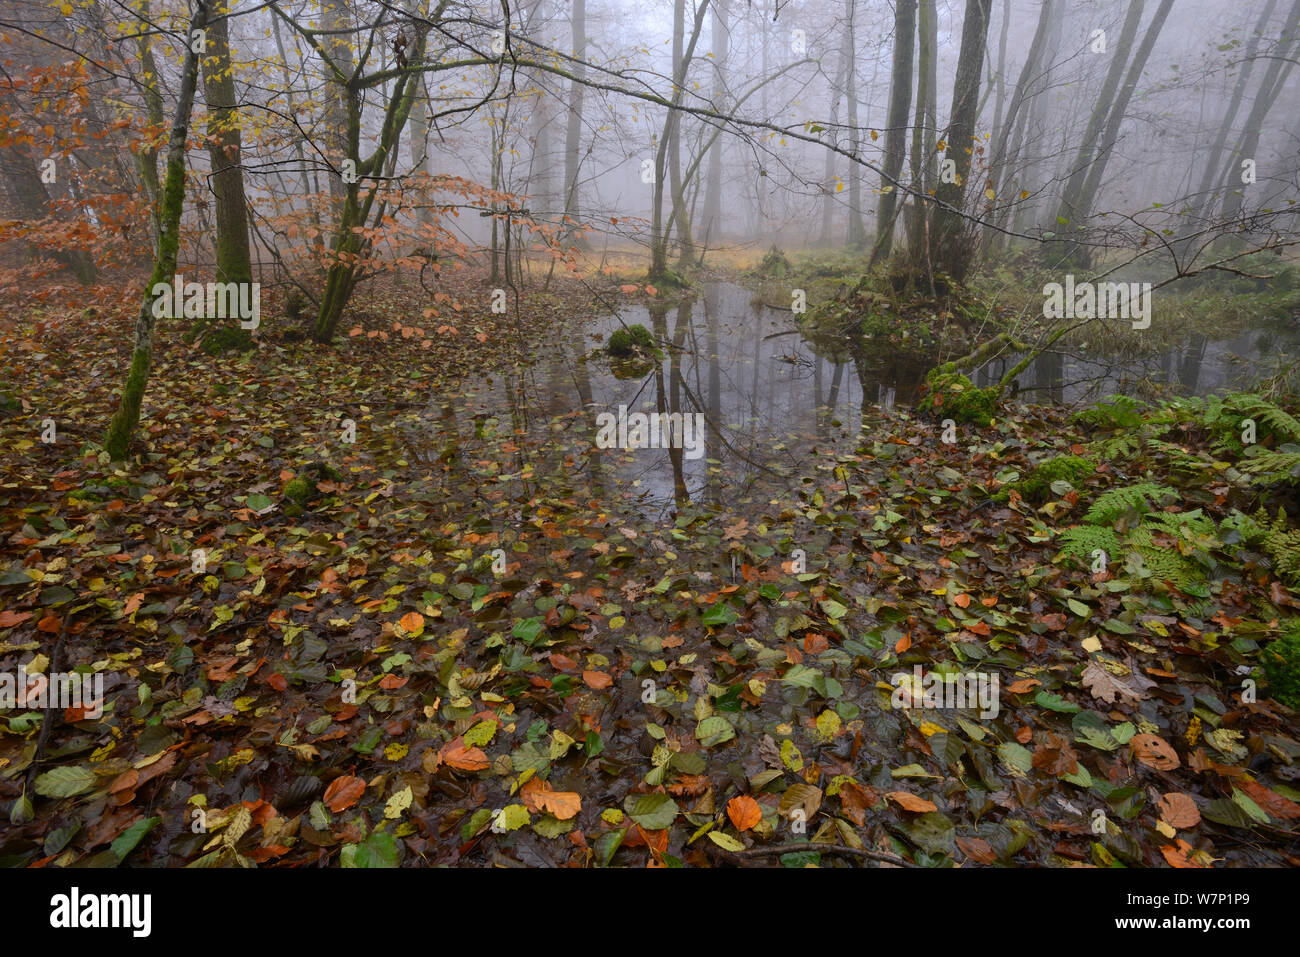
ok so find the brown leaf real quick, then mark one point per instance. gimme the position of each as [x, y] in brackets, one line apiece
[1104, 686]
[977, 849]
[597, 679]
[1154, 751]
[856, 799]
[1270, 801]
[344, 792]
[1056, 757]
[1179, 810]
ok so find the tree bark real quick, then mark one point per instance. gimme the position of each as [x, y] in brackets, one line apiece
[122, 427]
[900, 102]
[234, 263]
[950, 252]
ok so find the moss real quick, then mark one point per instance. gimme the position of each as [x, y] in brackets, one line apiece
[300, 491]
[1037, 486]
[631, 340]
[1281, 661]
[222, 339]
[303, 489]
[953, 396]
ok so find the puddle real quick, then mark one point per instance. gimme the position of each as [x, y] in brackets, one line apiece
[765, 399]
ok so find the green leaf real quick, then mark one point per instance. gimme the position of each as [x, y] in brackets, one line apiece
[64, 781]
[128, 839]
[725, 841]
[654, 812]
[378, 850]
[833, 609]
[1055, 702]
[714, 730]
[719, 615]
[528, 630]
[1079, 608]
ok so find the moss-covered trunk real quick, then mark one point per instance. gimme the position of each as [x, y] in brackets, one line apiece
[122, 427]
[234, 263]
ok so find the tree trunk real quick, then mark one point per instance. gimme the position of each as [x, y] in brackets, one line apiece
[1028, 74]
[857, 234]
[234, 263]
[1203, 198]
[573, 131]
[1073, 188]
[1110, 137]
[713, 184]
[122, 427]
[900, 102]
[923, 133]
[950, 251]
[1275, 77]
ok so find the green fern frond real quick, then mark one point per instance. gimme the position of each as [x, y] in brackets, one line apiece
[1081, 541]
[1282, 545]
[1281, 423]
[1268, 467]
[1140, 499]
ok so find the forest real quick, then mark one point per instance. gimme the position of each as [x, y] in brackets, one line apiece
[687, 433]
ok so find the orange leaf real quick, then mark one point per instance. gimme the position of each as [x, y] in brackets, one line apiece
[538, 796]
[50, 624]
[412, 622]
[961, 601]
[910, 802]
[392, 682]
[1023, 685]
[1177, 856]
[744, 812]
[597, 679]
[344, 792]
[465, 759]
[10, 618]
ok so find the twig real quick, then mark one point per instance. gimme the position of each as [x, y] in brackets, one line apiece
[738, 858]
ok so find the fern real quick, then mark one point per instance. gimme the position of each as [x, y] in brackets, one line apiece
[1268, 467]
[1281, 423]
[1224, 417]
[1080, 541]
[1116, 412]
[1165, 563]
[1119, 502]
[1282, 545]
[1116, 448]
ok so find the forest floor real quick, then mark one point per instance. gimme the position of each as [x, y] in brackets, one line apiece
[343, 676]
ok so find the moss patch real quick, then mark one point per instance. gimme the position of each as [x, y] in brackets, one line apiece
[624, 343]
[222, 339]
[953, 396]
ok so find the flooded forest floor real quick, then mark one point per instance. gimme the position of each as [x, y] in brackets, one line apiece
[472, 636]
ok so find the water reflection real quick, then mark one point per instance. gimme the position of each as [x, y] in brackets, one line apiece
[768, 397]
